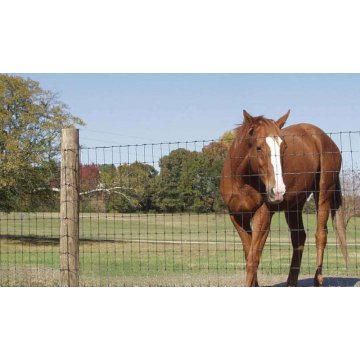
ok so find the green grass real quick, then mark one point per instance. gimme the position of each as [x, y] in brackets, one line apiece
[156, 249]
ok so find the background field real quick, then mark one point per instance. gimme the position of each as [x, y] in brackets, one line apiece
[157, 249]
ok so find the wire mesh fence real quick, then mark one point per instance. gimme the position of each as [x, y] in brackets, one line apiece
[153, 215]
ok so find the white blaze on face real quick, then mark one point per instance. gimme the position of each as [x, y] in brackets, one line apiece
[274, 143]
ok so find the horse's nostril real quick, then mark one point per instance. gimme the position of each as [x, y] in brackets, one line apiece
[275, 195]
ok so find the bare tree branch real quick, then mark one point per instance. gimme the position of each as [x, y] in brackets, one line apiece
[109, 191]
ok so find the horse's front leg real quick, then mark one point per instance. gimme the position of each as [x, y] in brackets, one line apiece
[260, 230]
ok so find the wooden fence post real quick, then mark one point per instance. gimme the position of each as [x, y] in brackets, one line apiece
[69, 208]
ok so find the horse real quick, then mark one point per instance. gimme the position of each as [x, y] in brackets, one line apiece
[271, 168]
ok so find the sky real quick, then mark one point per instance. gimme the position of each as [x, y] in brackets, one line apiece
[122, 109]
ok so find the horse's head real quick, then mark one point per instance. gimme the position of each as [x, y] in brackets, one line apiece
[265, 147]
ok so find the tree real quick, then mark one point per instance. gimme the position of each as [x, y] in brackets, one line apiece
[128, 187]
[168, 194]
[89, 177]
[216, 151]
[190, 180]
[198, 184]
[92, 200]
[46, 197]
[227, 138]
[31, 120]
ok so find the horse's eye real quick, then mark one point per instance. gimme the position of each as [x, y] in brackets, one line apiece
[258, 148]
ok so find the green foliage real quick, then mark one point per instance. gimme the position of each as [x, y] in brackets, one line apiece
[128, 187]
[227, 138]
[199, 186]
[31, 120]
[187, 181]
[191, 180]
[169, 185]
[9, 199]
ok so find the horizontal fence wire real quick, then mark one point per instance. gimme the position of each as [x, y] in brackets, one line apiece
[153, 215]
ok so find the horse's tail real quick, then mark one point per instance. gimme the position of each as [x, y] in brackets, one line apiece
[338, 219]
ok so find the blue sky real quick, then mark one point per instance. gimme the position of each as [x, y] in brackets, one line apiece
[124, 109]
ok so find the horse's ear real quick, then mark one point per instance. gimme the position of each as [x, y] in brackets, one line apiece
[281, 122]
[247, 117]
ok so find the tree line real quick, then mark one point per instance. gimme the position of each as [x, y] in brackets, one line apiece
[186, 181]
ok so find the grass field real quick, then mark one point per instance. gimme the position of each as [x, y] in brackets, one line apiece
[157, 250]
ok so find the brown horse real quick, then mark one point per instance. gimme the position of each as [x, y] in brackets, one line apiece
[271, 169]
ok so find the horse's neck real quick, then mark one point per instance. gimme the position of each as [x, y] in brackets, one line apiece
[241, 167]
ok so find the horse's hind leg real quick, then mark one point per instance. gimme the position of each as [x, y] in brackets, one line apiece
[323, 212]
[323, 207]
[298, 237]
[324, 192]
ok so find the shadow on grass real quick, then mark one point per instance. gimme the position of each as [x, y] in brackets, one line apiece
[328, 282]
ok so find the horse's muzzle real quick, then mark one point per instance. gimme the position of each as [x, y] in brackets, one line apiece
[275, 196]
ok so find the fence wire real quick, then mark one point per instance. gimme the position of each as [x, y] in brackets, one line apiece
[153, 215]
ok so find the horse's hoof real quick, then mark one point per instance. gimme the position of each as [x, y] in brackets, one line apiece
[292, 282]
[318, 281]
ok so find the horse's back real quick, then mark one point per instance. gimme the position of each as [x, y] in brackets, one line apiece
[303, 130]
[313, 141]
[309, 153]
